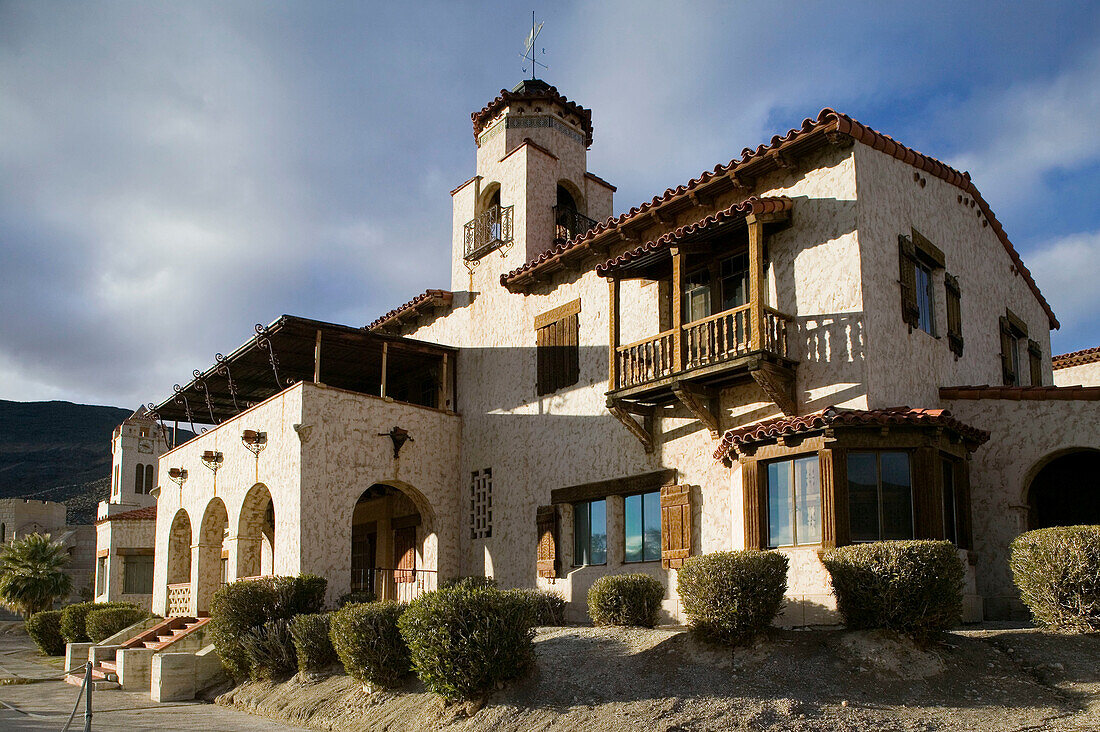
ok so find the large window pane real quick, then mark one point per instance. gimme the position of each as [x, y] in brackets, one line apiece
[696, 295]
[651, 526]
[780, 530]
[923, 280]
[807, 505]
[897, 496]
[632, 509]
[598, 512]
[735, 281]
[863, 496]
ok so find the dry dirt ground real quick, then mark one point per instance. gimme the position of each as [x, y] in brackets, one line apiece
[985, 678]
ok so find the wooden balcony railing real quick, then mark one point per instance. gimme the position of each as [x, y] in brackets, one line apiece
[646, 360]
[179, 599]
[707, 341]
[489, 231]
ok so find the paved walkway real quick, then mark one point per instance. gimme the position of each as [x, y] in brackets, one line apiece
[46, 704]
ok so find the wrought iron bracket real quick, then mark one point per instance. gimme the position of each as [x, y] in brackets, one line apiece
[399, 437]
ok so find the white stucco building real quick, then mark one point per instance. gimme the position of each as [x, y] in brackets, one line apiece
[780, 353]
[20, 517]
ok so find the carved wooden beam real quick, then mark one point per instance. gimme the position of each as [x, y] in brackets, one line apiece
[622, 410]
[701, 401]
[778, 383]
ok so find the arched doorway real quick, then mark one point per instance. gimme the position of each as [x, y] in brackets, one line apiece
[256, 534]
[1066, 490]
[211, 553]
[393, 543]
[179, 565]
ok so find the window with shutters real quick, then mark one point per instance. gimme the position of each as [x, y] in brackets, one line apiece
[1013, 340]
[918, 258]
[642, 527]
[481, 504]
[137, 574]
[590, 532]
[557, 348]
[1035, 362]
[954, 314]
[675, 525]
[794, 502]
[880, 496]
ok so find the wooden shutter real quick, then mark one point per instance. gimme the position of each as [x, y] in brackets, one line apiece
[907, 259]
[546, 518]
[1008, 342]
[404, 554]
[753, 510]
[1035, 362]
[927, 494]
[954, 314]
[675, 525]
[557, 351]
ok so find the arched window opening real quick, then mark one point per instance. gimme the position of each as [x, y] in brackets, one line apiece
[1066, 491]
[387, 541]
[569, 222]
[139, 477]
[148, 479]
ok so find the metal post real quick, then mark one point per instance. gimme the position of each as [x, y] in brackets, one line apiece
[88, 699]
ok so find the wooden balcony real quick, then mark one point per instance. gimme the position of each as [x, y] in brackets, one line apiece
[690, 362]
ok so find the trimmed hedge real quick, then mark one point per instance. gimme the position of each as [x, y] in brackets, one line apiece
[469, 582]
[44, 628]
[625, 599]
[1058, 573]
[240, 606]
[104, 622]
[312, 642]
[913, 587]
[464, 641]
[74, 619]
[355, 598]
[369, 644]
[732, 597]
[546, 607]
[270, 650]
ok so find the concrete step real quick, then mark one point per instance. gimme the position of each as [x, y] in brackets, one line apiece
[108, 666]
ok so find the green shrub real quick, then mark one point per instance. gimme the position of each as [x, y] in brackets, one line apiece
[355, 598]
[44, 628]
[1058, 573]
[103, 622]
[312, 642]
[913, 587]
[546, 607]
[625, 599]
[74, 618]
[464, 641]
[367, 640]
[731, 597]
[240, 606]
[469, 582]
[270, 650]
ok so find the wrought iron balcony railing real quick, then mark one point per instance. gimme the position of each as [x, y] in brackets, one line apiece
[568, 223]
[488, 232]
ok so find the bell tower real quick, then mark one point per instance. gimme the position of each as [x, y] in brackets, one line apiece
[136, 447]
[532, 189]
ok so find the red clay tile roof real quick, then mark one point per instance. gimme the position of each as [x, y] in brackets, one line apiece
[771, 429]
[426, 300]
[1076, 358]
[828, 124]
[149, 513]
[549, 94]
[752, 206]
[1022, 393]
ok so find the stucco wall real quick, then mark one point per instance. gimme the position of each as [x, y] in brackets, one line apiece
[113, 536]
[1087, 374]
[1024, 436]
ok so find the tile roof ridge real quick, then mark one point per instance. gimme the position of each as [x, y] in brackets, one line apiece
[1075, 358]
[411, 304]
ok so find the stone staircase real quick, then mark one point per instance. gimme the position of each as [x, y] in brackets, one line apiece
[176, 633]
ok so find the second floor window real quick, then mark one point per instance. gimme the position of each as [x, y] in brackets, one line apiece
[590, 532]
[918, 259]
[926, 321]
[557, 349]
[880, 496]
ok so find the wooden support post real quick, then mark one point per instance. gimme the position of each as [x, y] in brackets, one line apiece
[622, 411]
[443, 399]
[756, 282]
[613, 335]
[385, 356]
[677, 309]
[317, 359]
[701, 401]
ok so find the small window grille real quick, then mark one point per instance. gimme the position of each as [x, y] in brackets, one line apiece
[481, 504]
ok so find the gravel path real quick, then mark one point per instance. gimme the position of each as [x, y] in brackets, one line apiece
[991, 678]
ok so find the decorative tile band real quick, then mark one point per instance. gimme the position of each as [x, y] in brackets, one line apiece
[530, 121]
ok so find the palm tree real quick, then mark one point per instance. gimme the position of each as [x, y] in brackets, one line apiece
[31, 574]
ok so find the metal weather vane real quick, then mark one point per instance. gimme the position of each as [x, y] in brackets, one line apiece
[529, 55]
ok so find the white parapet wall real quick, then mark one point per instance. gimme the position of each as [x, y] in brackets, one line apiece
[180, 676]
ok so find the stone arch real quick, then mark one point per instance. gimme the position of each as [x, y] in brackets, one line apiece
[576, 196]
[394, 544]
[256, 533]
[179, 549]
[1064, 489]
[489, 196]
[210, 569]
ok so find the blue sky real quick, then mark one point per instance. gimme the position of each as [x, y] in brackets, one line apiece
[173, 173]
